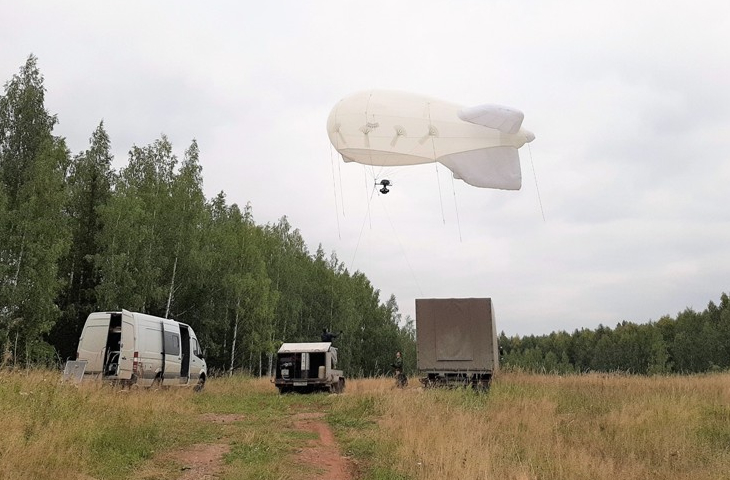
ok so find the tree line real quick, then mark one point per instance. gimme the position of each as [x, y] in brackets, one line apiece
[692, 342]
[76, 236]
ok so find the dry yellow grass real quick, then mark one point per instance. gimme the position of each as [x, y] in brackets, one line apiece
[548, 427]
[527, 427]
[57, 430]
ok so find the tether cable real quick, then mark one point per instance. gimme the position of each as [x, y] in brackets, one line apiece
[456, 207]
[362, 227]
[403, 251]
[334, 188]
[539, 200]
[433, 149]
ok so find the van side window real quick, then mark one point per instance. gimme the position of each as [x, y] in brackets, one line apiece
[172, 344]
[196, 351]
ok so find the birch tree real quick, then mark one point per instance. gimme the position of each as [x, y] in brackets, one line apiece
[134, 254]
[33, 166]
[89, 185]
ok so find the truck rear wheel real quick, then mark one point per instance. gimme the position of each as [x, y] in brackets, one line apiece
[338, 387]
[482, 384]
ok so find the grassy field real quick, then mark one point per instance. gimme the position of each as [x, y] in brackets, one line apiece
[526, 427]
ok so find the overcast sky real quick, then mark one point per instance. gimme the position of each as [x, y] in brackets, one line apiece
[624, 211]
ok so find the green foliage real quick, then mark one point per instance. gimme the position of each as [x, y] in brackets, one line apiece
[691, 343]
[89, 189]
[34, 230]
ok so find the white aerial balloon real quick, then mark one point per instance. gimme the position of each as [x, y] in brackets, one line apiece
[389, 128]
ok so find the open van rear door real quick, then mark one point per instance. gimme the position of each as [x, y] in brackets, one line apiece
[126, 357]
[92, 345]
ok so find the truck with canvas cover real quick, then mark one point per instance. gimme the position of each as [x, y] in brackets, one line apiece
[134, 348]
[308, 367]
[456, 340]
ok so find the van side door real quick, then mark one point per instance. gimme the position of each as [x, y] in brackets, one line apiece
[126, 346]
[172, 350]
[196, 362]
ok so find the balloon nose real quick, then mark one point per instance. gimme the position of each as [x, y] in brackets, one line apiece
[529, 136]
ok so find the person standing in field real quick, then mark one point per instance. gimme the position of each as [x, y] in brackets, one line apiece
[400, 378]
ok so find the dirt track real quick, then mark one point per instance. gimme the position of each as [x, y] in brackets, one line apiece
[322, 452]
[205, 461]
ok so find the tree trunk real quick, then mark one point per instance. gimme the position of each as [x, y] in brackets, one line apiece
[233, 342]
[172, 287]
[269, 354]
[20, 260]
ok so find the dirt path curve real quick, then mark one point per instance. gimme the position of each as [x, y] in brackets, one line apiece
[322, 452]
[205, 461]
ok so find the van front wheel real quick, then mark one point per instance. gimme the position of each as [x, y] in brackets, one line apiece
[199, 386]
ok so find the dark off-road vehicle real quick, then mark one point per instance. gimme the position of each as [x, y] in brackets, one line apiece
[308, 367]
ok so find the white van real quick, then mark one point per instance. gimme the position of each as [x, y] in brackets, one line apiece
[135, 348]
